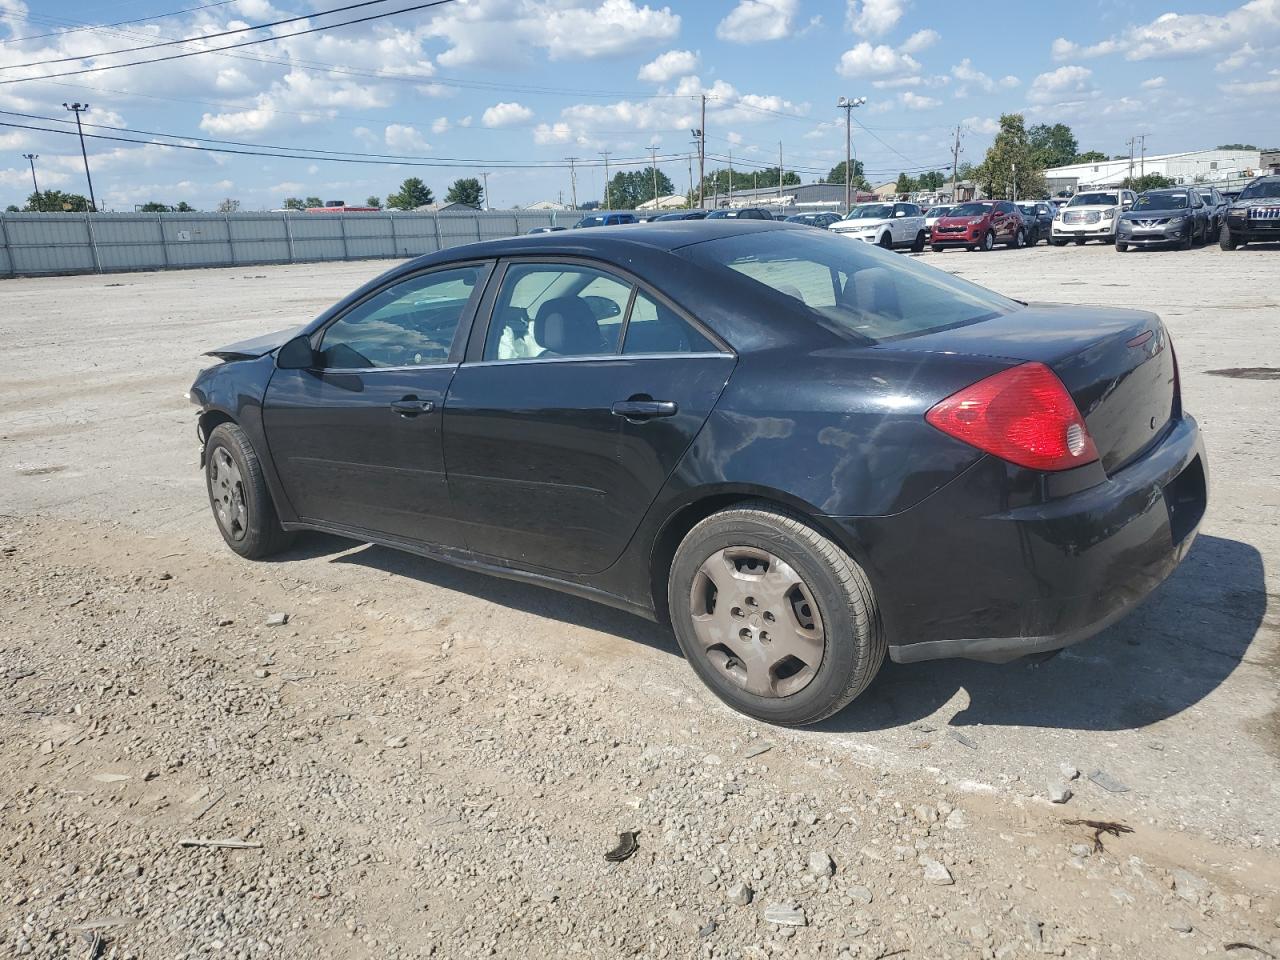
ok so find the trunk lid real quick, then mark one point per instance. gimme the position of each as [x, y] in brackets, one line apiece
[1117, 365]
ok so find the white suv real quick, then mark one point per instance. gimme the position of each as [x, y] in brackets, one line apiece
[1091, 215]
[886, 224]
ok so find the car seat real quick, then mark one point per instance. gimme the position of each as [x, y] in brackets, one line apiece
[566, 327]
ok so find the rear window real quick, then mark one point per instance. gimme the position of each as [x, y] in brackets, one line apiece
[855, 290]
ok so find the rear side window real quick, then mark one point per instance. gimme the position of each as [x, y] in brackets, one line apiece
[851, 289]
[655, 328]
[556, 310]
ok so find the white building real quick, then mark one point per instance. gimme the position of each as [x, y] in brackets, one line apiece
[1196, 166]
[547, 205]
[671, 201]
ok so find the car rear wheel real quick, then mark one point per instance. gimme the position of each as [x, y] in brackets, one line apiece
[988, 241]
[918, 244]
[1019, 240]
[1058, 243]
[773, 616]
[238, 493]
[1190, 240]
[1225, 240]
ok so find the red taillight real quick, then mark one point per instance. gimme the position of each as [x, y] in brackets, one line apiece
[1023, 415]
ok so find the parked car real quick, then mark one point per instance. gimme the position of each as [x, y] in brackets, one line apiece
[604, 219]
[822, 221]
[1254, 216]
[1091, 215]
[1037, 215]
[546, 230]
[932, 216]
[1174, 216]
[888, 225]
[800, 452]
[682, 215]
[1217, 205]
[740, 213]
[980, 225]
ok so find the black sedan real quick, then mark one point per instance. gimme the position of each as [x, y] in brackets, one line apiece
[800, 452]
[1162, 218]
[822, 221]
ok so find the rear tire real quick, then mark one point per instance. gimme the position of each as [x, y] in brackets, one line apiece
[784, 569]
[242, 505]
[1019, 240]
[917, 245]
[1058, 243]
[936, 248]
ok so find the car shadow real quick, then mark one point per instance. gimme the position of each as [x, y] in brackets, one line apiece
[1171, 652]
[542, 601]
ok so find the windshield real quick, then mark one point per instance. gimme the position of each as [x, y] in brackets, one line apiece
[1094, 200]
[1028, 208]
[939, 212]
[1161, 201]
[1260, 189]
[970, 210]
[855, 290]
[871, 211]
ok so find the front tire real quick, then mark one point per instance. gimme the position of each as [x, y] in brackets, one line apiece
[1226, 240]
[917, 245]
[238, 494]
[773, 616]
[988, 241]
[886, 241]
[936, 247]
[1121, 246]
[1058, 243]
[1019, 240]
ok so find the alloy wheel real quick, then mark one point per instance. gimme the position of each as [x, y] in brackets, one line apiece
[757, 621]
[226, 490]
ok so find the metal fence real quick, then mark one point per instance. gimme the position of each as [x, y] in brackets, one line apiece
[34, 244]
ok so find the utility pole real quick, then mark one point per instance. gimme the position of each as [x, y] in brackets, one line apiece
[730, 201]
[779, 170]
[1129, 143]
[608, 201]
[485, 175]
[1142, 169]
[653, 164]
[955, 163]
[573, 181]
[702, 156]
[1013, 181]
[31, 158]
[847, 104]
[77, 109]
[691, 179]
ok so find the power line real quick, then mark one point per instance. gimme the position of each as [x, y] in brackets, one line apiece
[233, 46]
[207, 36]
[77, 27]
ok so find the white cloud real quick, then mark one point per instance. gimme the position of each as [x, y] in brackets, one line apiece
[920, 40]
[1155, 83]
[1254, 88]
[734, 138]
[872, 18]
[988, 126]
[440, 125]
[668, 66]
[864, 60]
[545, 133]
[1246, 56]
[967, 76]
[1062, 85]
[496, 32]
[399, 136]
[754, 20]
[1009, 81]
[914, 101]
[505, 114]
[1184, 34]
[299, 97]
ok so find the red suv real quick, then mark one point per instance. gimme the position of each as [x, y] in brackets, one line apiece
[980, 225]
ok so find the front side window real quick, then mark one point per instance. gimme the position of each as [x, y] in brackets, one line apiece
[851, 289]
[409, 324]
[556, 310]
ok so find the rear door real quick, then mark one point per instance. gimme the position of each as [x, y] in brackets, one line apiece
[571, 411]
[357, 440]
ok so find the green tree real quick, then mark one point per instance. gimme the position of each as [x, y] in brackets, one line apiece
[837, 175]
[313, 202]
[966, 171]
[934, 180]
[412, 193]
[905, 184]
[1089, 156]
[768, 177]
[228, 206]
[1053, 146]
[375, 202]
[184, 207]
[1010, 168]
[465, 190]
[630, 188]
[11, 208]
[154, 207]
[55, 201]
[1148, 181]
[294, 203]
[1236, 146]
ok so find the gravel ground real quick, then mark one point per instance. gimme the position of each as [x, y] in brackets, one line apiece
[428, 762]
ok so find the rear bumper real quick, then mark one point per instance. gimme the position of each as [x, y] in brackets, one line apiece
[955, 581]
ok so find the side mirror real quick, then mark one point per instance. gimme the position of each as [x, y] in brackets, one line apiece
[900, 213]
[297, 354]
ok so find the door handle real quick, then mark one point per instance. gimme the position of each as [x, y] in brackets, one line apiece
[644, 409]
[411, 408]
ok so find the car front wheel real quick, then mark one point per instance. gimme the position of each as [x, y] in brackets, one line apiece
[988, 241]
[238, 493]
[773, 616]
[1226, 240]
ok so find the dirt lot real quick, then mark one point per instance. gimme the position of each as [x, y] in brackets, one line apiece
[429, 762]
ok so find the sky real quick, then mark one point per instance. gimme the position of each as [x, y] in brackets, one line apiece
[513, 87]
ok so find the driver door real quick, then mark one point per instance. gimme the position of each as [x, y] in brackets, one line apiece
[356, 440]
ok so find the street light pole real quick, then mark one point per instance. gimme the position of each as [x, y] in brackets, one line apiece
[31, 158]
[847, 104]
[77, 109]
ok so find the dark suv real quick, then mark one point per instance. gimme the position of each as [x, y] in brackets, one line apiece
[1039, 219]
[1254, 215]
[740, 213]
